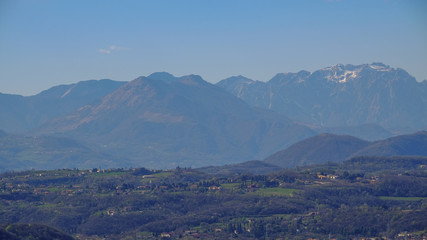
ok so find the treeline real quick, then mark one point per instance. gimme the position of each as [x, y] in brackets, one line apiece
[374, 164]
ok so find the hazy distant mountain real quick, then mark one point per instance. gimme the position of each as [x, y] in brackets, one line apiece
[317, 150]
[405, 145]
[14, 112]
[19, 114]
[24, 153]
[164, 121]
[342, 95]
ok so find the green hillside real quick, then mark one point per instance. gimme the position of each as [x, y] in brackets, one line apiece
[340, 201]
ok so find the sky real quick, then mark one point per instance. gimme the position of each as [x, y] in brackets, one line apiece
[44, 43]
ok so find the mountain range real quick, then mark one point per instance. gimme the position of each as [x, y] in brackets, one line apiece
[341, 96]
[163, 121]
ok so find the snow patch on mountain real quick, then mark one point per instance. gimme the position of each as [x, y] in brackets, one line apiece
[67, 92]
[344, 77]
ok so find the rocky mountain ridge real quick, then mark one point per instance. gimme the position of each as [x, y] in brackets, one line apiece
[341, 96]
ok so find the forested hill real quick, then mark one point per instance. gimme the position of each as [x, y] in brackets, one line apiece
[411, 144]
[337, 148]
[318, 150]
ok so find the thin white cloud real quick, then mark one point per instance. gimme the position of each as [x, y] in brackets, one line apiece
[106, 51]
[111, 49]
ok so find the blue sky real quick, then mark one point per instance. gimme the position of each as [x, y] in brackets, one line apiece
[50, 42]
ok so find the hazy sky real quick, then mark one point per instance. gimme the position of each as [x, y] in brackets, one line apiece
[50, 42]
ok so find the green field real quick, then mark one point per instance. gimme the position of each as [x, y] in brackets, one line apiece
[277, 191]
[230, 185]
